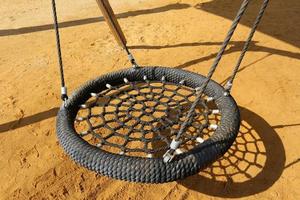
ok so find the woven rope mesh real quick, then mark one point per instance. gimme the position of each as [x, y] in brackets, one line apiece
[141, 118]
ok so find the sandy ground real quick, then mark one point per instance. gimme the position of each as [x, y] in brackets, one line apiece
[179, 33]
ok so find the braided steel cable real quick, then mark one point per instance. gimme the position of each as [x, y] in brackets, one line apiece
[218, 58]
[247, 44]
[64, 96]
[233, 27]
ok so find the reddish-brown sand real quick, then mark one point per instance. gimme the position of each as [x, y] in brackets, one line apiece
[263, 164]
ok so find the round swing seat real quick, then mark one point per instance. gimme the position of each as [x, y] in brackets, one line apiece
[121, 124]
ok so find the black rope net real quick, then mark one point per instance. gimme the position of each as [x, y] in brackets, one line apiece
[142, 118]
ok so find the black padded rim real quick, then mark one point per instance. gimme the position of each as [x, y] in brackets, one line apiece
[148, 170]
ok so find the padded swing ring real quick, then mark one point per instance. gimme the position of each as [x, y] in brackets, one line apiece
[148, 170]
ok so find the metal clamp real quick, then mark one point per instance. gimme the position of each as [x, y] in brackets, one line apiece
[64, 95]
[227, 88]
[171, 153]
[132, 60]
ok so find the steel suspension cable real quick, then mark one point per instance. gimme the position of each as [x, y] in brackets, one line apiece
[176, 142]
[64, 95]
[170, 154]
[262, 10]
[214, 66]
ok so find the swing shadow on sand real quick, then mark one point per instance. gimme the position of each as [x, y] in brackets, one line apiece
[281, 21]
[254, 163]
[32, 29]
[234, 46]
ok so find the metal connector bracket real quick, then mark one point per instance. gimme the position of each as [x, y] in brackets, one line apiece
[171, 153]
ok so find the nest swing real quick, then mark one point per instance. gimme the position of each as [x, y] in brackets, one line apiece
[149, 124]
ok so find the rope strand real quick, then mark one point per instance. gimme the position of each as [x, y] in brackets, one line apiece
[169, 155]
[247, 44]
[64, 95]
[191, 112]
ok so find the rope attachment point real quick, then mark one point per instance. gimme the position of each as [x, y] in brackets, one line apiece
[170, 154]
[131, 58]
[64, 94]
[132, 61]
[227, 88]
